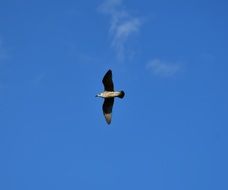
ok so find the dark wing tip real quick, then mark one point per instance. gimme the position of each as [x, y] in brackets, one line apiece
[109, 72]
[107, 81]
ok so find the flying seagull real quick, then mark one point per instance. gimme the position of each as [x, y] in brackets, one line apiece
[109, 94]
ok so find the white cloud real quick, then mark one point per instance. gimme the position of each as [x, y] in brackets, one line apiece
[163, 68]
[122, 25]
[110, 6]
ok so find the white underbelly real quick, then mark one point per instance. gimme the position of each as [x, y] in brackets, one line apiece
[107, 94]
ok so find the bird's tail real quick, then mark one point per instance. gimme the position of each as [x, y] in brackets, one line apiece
[121, 95]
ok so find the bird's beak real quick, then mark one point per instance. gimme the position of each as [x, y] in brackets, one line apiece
[96, 96]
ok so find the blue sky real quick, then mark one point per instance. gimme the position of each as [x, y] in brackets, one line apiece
[169, 132]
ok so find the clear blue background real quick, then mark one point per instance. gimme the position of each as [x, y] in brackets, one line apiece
[169, 132]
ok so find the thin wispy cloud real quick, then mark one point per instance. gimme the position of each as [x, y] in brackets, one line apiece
[163, 68]
[122, 25]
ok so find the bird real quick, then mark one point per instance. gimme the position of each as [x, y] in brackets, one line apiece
[109, 94]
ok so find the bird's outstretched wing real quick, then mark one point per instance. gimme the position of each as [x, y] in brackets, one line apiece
[107, 81]
[107, 109]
